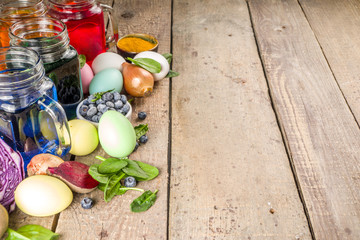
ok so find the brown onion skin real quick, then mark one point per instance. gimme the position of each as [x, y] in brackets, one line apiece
[138, 82]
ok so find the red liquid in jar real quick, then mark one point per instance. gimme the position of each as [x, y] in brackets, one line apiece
[85, 27]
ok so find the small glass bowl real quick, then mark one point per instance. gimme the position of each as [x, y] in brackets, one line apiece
[143, 36]
[78, 115]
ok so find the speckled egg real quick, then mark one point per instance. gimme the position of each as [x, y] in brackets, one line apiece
[116, 134]
[105, 80]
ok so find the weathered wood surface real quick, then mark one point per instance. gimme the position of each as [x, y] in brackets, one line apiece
[336, 26]
[114, 220]
[229, 166]
[321, 135]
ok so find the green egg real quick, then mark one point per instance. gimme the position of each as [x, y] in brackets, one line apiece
[107, 79]
[116, 134]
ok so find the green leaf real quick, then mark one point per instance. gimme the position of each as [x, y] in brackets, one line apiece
[102, 186]
[140, 130]
[82, 60]
[172, 74]
[133, 169]
[98, 95]
[32, 232]
[168, 57]
[94, 173]
[147, 63]
[151, 171]
[112, 186]
[111, 165]
[144, 202]
[123, 190]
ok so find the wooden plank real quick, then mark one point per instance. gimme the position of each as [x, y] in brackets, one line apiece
[230, 174]
[114, 220]
[322, 137]
[336, 26]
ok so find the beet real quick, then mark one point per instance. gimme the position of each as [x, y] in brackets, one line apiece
[75, 175]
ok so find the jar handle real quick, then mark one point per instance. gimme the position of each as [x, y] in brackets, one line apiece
[111, 28]
[57, 113]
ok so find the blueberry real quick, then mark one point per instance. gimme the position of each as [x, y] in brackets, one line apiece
[86, 102]
[110, 104]
[107, 96]
[123, 99]
[87, 203]
[99, 101]
[90, 98]
[92, 105]
[99, 113]
[136, 146]
[130, 182]
[117, 96]
[95, 118]
[118, 104]
[125, 109]
[102, 108]
[91, 112]
[142, 115]
[143, 139]
[83, 110]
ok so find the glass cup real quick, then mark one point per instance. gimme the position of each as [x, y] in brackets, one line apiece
[86, 26]
[31, 120]
[12, 11]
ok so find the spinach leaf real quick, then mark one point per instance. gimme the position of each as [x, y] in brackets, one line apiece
[112, 186]
[31, 232]
[82, 60]
[101, 186]
[168, 57]
[172, 73]
[151, 171]
[140, 130]
[144, 202]
[123, 190]
[94, 173]
[111, 165]
[133, 169]
[147, 63]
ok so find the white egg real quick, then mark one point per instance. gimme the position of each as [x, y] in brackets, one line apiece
[107, 60]
[165, 67]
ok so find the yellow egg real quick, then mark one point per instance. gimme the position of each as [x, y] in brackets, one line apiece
[42, 195]
[84, 137]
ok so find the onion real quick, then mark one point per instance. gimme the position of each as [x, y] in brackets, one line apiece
[138, 82]
[11, 174]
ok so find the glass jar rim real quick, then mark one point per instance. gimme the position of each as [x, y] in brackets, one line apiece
[9, 10]
[76, 4]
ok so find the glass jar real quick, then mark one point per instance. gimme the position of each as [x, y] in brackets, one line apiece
[85, 22]
[49, 37]
[12, 11]
[31, 121]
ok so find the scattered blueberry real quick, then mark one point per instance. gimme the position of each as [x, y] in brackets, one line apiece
[130, 182]
[123, 99]
[92, 111]
[143, 139]
[83, 110]
[142, 115]
[118, 104]
[87, 203]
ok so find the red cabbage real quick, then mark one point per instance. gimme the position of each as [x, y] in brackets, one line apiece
[11, 174]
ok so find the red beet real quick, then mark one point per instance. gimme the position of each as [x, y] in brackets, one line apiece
[75, 175]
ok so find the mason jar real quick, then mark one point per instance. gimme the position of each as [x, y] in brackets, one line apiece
[31, 120]
[49, 37]
[12, 11]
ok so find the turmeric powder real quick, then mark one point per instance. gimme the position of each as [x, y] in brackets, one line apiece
[136, 44]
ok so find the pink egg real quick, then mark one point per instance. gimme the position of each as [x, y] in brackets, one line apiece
[86, 77]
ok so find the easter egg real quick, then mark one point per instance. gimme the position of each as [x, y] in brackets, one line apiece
[42, 195]
[107, 60]
[86, 77]
[107, 79]
[116, 134]
[84, 137]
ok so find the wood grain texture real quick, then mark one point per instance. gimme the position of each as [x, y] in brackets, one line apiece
[230, 174]
[322, 137]
[336, 26]
[114, 220]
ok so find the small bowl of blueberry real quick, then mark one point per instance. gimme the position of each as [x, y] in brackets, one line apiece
[94, 106]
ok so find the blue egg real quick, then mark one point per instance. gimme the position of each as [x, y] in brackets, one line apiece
[105, 80]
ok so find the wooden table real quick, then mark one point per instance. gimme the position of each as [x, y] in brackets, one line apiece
[258, 138]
